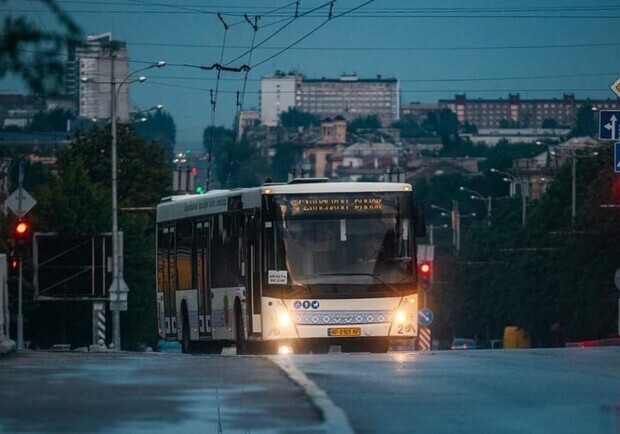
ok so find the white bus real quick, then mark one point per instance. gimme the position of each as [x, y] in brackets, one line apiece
[297, 266]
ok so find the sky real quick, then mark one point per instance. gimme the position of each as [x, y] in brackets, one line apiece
[483, 48]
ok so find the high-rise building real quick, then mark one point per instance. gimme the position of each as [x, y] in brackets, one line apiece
[277, 95]
[348, 96]
[101, 61]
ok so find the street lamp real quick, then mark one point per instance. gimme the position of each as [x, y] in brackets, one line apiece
[513, 180]
[456, 224]
[478, 196]
[573, 156]
[118, 286]
[141, 119]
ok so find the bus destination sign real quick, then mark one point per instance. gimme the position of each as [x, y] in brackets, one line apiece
[337, 205]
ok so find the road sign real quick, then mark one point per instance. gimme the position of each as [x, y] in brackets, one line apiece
[425, 317]
[615, 88]
[617, 157]
[609, 125]
[27, 202]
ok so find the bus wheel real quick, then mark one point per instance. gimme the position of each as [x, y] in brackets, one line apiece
[242, 344]
[185, 342]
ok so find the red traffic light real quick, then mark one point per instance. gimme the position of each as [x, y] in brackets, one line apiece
[425, 269]
[14, 264]
[21, 232]
[21, 228]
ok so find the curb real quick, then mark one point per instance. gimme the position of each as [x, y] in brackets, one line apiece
[335, 418]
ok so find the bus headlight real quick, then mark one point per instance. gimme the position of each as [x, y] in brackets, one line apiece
[284, 319]
[400, 317]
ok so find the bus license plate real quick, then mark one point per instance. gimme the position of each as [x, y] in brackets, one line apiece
[344, 331]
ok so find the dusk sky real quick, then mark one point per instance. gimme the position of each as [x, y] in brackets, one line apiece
[484, 48]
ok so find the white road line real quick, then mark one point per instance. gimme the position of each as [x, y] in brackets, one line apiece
[335, 418]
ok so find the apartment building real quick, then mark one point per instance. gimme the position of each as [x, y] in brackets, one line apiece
[517, 112]
[348, 96]
[100, 60]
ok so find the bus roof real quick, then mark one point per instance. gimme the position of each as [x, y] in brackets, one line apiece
[217, 201]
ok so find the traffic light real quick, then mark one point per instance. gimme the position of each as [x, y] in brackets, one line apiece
[13, 264]
[425, 271]
[21, 233]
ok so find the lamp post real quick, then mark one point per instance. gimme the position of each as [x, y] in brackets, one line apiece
[573, 157]
[478, 196]
[456, 224]
[118, 286]
[508, 177]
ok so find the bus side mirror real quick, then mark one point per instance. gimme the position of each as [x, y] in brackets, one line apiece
[420, 222]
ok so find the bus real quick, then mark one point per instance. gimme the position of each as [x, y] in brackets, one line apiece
[289, 267]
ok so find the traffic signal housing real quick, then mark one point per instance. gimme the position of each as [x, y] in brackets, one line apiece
[425, 272]
[21, 235]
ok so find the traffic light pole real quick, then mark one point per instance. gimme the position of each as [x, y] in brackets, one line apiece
[20, 317]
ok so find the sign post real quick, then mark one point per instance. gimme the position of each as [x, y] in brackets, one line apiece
[617, 283]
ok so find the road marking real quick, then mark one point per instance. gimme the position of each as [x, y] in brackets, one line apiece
[335, 418]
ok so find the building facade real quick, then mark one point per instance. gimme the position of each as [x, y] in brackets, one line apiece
[515, 112]
[348, 96]
[100, 61]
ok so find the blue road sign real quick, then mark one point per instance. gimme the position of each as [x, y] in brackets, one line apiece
[425, 317]
[617, 157]
[609, 125]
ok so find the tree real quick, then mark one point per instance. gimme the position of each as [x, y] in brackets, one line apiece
[34, 54]
[370, 122]
[233, 164]
[53, 120]
[585, 122]
[446, 125]
[286, 158]
[296, 118]
[160, 128]
[78, 201]
[470, 128]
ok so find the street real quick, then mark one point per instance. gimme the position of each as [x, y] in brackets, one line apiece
[568, 390]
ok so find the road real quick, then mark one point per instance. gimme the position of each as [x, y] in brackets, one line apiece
[140, 392]
[568, 390]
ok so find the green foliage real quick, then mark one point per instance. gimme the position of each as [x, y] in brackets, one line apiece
[585, 122]
[546, 273]
[78, 201]
[53, 120]
[285, 160]
[233, 164]
[410, 128]
[33, 53]
[370, 122]
[296, 118]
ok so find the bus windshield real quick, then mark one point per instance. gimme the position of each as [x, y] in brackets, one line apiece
[360, 243]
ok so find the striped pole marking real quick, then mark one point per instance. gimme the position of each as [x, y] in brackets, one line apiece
[425, 339]
[100, 327]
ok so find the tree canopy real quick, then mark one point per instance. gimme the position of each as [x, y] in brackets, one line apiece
[34, 53]
[297, 118]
